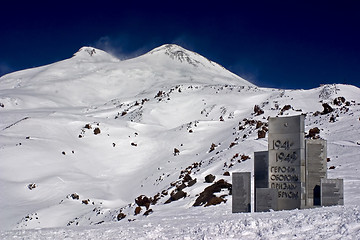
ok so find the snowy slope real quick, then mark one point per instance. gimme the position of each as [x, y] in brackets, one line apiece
[145, 108]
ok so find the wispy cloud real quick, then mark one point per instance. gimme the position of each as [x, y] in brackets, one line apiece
[246, 70]
[121, 47]
[105, 43]
[5, 68]
[185, 42]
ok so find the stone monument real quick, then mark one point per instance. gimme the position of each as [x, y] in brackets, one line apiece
[241, 192]
[266, 199]
[287, 160]
[332, 192]
[316, 168]
[292, 173]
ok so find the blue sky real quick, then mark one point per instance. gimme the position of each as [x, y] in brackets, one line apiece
[281, 44]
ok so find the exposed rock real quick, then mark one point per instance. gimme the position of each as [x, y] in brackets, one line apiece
[148, 212]
[75, 196]
[332, 167]
[181, 187]
[234, 157]
[249, 122]
[143, 200]
[87, 126]
[328, 91]
[212, 147]
[209, 178]
[187, 178]
[31, 186]
[207, 197]
[285, 108]
[121, 216]
[261, 134]
[339, 101]
[232, 144]
[258, 124]
[327, 109]
[176, 151]
[191, 182]
[215, 201]
[317, 113]
[176, 195]
[137, 210]
[244, 157]
[332, 119]
[313, 132]
[159, 94]
[97, 131]
[258, 110]
[155, 199]
[226, 173]
[144, 101]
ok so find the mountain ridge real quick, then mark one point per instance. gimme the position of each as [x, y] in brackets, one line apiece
[91, 67]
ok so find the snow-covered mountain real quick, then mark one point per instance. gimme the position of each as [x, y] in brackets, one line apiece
[92, 76]
[93, 140]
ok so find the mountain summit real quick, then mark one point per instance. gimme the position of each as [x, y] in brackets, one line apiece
[94, 55]
[181, 54]
[102, 77]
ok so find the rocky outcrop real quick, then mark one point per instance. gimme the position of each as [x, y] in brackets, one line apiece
[313, 133]
[209, 178]
[207, 197]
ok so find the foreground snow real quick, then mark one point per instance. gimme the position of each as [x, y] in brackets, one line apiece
[216, 223]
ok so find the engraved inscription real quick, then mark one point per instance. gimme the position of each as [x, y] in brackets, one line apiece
[284, 170]
[288, 194]
[283, 174]
[282, 144]
[286, 157]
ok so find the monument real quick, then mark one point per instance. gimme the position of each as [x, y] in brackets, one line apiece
[291, 174]
[316, 166]
[241, 192]
[287, 160]
[266, 199]
[332, 192]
